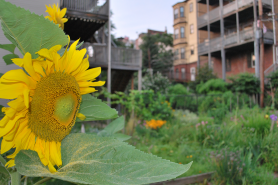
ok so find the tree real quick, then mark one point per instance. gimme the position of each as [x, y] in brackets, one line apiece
[155, 53]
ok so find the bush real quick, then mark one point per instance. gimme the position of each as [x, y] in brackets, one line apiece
[204, 74]
[213, 85]
[245, 83]
[177, 96]
[155, 82]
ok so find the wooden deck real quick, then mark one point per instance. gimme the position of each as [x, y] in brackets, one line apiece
[121, 58]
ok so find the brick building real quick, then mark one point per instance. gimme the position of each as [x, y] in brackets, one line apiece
[185, 40]
[226, 36]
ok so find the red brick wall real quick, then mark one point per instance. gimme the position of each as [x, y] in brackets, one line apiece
[239, 63]
[187, 71]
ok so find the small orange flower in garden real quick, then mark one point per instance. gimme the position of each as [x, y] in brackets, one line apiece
[56, 15]
[180, 163]
[154, 124]
[190, 156]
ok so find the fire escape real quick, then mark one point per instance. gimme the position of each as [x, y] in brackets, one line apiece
[86, 21]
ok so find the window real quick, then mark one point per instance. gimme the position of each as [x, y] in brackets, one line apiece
[192, 73]
[176, 13]
[251, 60]
[177, 73]
[183, 73]
[177, 54]
[182, 32]
[192, 50]
[182, 53]
[191, 28]
[181, 11]
[176, 33]
[191, 7]
[228, 64]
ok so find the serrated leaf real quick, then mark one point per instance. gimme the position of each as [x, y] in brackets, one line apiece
[8, 47]
[90, 159]
[94, 109]
[115, 126]
[29, 32]
[8, 58]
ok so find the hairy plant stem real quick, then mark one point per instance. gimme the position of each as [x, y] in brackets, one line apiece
[15, 178]
[2, 160]
[43, 180]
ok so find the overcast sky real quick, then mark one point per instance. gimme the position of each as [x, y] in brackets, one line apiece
[132, 17]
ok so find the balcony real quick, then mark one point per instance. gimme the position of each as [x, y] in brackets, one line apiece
[121, 58]
[246, 35]
[85, 17]
[90, 6]
[214, 14]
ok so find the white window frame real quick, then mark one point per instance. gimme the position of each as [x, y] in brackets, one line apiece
[176, 33]
[182, 33]
[176, 13]
[191, 28]
[182, 53]
[191, 7]
[192, 73]
[253, 60]
[183, 73]
[181, 12]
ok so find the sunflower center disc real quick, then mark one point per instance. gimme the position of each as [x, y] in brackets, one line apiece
[54, 106]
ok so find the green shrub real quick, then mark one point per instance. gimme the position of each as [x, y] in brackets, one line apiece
[204, 73]
[213, 85]
[156, 82]
[178, 96]
[245, 83]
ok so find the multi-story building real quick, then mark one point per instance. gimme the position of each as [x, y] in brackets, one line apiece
[228, 36]
[185, 40]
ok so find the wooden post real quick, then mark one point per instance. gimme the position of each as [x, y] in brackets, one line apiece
[109, 55]
[261, 54]
[223, 54]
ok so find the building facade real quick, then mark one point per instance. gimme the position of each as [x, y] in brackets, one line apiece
[228, 36]
[185, 44]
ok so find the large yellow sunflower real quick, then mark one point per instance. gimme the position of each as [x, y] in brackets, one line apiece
[45, 101]
[56, 15]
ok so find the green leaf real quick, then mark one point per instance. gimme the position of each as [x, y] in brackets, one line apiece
[94, 109]
[8, 58]
[115, 126]
[121, 137]
[8, 47]
[1, 74]
[29, 32]
[90, 159]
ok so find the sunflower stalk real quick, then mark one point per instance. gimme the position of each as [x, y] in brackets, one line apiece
[2, 160]
[15, 178]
